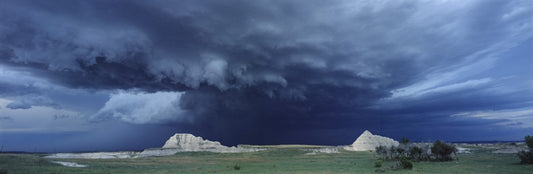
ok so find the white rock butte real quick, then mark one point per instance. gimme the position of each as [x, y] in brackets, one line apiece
[367, 141]
[184, 142]
[190, 142]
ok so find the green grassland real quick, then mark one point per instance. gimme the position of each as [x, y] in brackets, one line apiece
[280, 159]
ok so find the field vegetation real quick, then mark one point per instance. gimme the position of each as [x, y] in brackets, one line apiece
[277, 159]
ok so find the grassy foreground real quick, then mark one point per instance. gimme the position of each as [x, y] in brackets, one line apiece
[274, 160]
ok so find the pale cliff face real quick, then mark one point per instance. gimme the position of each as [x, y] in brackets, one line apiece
[189, 141]
[185, 142]
[367, 141]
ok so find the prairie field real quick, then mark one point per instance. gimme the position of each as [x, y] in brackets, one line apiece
[276, 159]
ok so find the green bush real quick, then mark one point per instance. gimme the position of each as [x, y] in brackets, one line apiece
[529, 141]
[412, 152]
[399, 152]
[443, 151]
[378, 163]
[404, 163]
[382, 150]
[392, 152]
[526, 157]
[415, 153]
[379, 170]
[237, 167]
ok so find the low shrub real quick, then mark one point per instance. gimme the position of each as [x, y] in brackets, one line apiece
[237, 167]
[443, 151]
[382, 151]
[415, 153]
[379, 170]
[404, 163]
[378, 163]
[526, 157]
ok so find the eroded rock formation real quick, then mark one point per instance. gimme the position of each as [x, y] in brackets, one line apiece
[176, 143]
[189, 143]
[367, 141]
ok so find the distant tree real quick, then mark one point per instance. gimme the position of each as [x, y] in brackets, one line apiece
[404, 140]
[392, 152]
[403, 148]
[415, 153]
[526, 157]
[400, 152]
[529, 141]
[382, 150]
[443, 151]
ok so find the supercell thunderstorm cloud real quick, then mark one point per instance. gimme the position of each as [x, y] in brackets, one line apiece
[108, 75]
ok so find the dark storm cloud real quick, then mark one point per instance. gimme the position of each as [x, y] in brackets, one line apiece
[274, 65]
[281, 45]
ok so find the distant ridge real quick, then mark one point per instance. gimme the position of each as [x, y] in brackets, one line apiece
[486, 142]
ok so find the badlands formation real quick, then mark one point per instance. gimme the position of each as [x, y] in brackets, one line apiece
[367, 141]
[191, 143]
[184, 142]
[176, 143]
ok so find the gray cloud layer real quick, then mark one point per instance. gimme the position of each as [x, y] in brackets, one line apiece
[282, 45]
[274, 63]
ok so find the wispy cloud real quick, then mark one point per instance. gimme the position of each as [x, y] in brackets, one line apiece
[416, 91]
[522, 117]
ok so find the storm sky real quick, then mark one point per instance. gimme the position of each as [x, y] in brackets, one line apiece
[126, 75]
